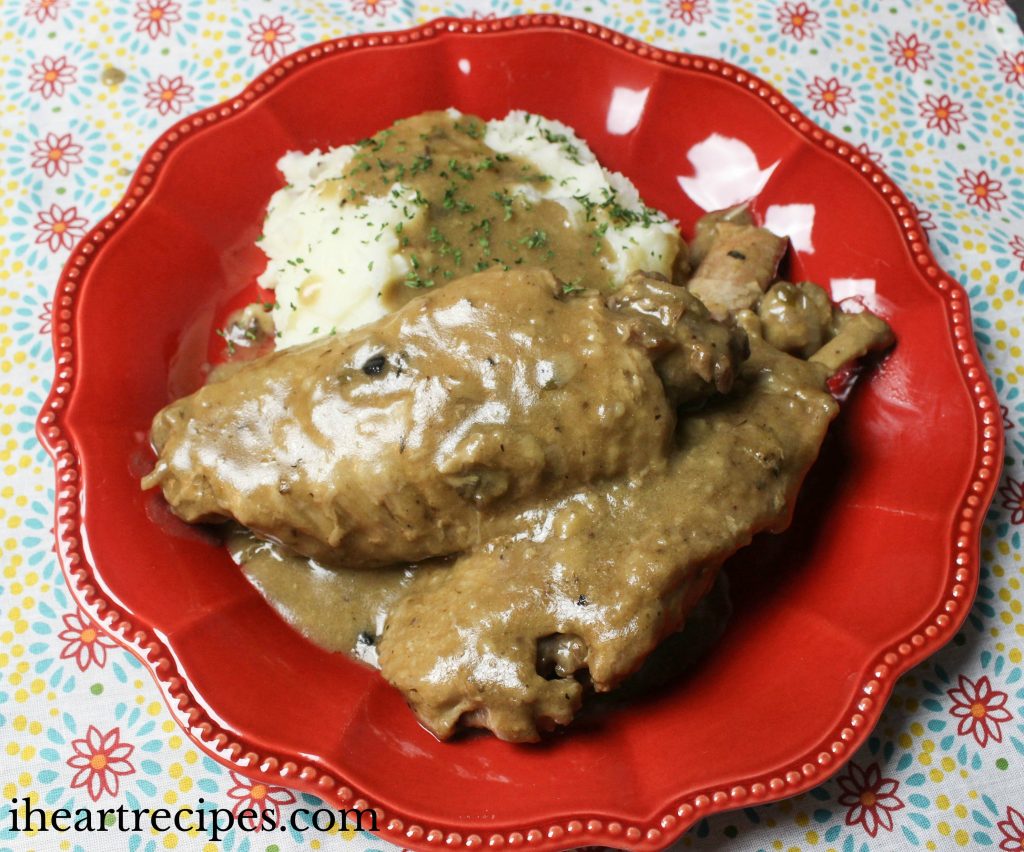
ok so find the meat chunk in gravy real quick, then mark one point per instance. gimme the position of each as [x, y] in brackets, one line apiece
[426, 433]
[617, 565]
[740, 263]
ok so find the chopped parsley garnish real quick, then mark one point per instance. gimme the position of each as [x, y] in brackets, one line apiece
[572, 286]
[227, 339]
[421, 164]
[538, 239]
[570, 150]
[417, 281]
[460, 170]
[471, 128]
[505, 200]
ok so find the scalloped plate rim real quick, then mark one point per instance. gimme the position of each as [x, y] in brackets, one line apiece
[671, 819]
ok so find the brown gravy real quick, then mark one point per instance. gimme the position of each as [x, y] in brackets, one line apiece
[477, 215]
[341, 610]
[509, 491]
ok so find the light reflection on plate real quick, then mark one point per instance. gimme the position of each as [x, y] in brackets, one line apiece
[726, 173]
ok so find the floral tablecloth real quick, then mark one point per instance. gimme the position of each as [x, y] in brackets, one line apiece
[933, 90]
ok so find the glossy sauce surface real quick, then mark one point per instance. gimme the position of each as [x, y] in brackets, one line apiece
[425, 433]
[477, 215]
[339, 609]
[586, 461]
[588, 580]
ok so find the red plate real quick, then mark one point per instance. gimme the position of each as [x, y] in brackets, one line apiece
[877, 572]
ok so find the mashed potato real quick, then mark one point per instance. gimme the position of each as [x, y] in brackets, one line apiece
[360, 228]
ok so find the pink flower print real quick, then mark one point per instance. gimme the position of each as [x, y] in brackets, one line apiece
[1012, 829]
[44, 10]
[871, 799]
[51, 76]
[689, 11]
[942, 113]
[101, 761]
[1013, 498]
[981, 190]
[1017, 248]
[259, 797]
[910, 52]
[829, 96]
[83, 640]
[797, 20]
[980, 709]
[268, 36]
[370, 8]
[985, 8]
[1012, 65]
[56, 154]
[59, 227]
[168, 94]
[155, 17]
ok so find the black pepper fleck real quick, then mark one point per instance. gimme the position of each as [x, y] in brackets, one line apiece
[375, 365]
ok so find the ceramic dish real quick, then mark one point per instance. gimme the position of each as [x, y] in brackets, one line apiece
[878, 570]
